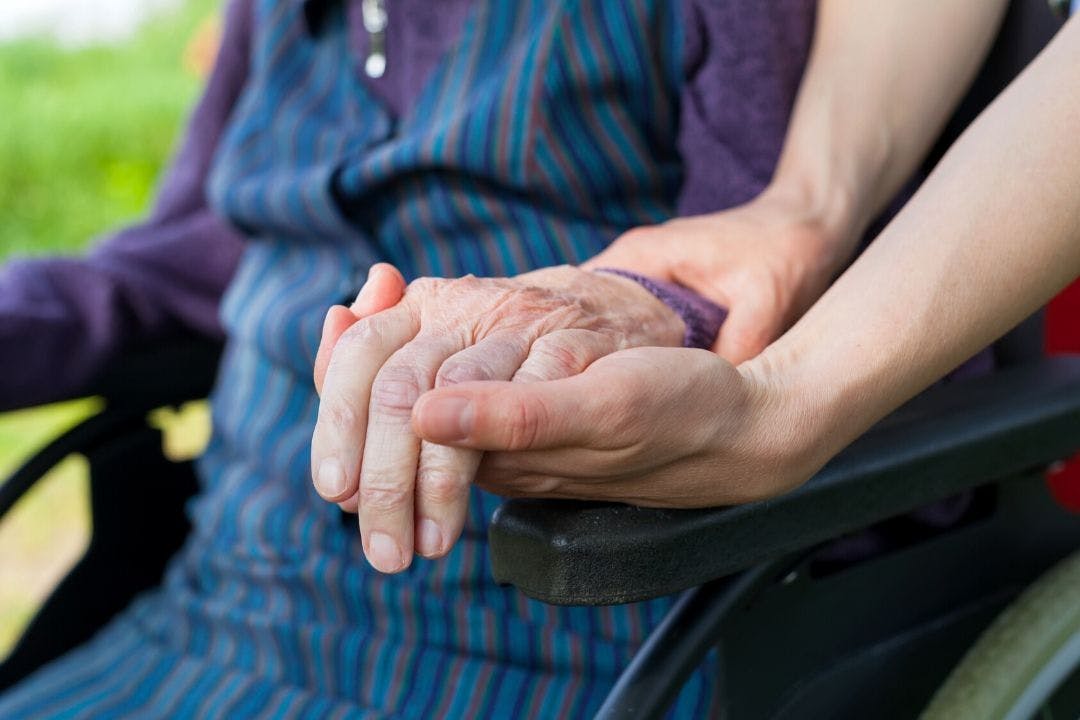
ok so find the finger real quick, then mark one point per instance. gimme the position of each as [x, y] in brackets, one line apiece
[502, 472]
[338, 320]
[338, 441]
[607, 406]
[392, 449]
[445, 473]
[443, 478]
[746, 331]
[444, 470]
[564, 353]
[383, 289]
[512, 416]
[352, 505]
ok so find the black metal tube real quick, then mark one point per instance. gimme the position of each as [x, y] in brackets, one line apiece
[675, 648]
[80, 439]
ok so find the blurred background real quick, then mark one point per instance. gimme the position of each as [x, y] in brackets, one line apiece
[93, 96]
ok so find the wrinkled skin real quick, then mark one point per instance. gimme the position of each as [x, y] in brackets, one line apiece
[396, 343]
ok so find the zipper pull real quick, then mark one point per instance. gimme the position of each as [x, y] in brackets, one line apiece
[375, 22]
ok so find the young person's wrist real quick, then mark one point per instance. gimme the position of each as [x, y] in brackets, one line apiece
[802, 418]
[829, 214]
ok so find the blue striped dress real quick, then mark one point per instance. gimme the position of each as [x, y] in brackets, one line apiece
[547, 129]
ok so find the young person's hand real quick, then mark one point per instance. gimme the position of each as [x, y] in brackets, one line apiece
[648, 426]
[881, 81]
[766, 261]
[543, 325]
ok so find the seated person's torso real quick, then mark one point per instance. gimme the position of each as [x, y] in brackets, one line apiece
[533, 137]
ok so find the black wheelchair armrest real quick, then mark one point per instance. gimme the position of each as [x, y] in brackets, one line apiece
[952, 438]
[161, 375]
[138, 382]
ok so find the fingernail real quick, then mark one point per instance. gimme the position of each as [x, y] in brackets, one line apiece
[331, 478]
[383, 553]
[448, 419]
[430, 540]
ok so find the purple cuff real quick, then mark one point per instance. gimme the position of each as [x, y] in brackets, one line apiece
[701, 316]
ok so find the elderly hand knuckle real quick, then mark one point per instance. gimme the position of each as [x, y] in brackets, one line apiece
[339, 412]
[396, 389]
[425, 285]
[469, 281]
[557, 354]
[531, 374]
[454, 372]
[440, 487]
[378, 496]
[364, 333]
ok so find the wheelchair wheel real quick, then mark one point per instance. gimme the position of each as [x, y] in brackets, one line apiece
[1027, 663]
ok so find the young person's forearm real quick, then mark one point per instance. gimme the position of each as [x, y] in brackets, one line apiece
[881, 81]
[991, 235]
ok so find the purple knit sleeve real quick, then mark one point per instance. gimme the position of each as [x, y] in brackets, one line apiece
[63, 319]
[701, 316]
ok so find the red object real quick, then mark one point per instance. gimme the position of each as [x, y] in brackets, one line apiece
[1063, 336]
[1063, 322]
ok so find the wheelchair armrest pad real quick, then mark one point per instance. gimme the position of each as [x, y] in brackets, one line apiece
[148, 377]
[951, 438]
[132, 386]
[160, 375]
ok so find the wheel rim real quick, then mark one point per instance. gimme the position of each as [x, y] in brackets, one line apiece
[1044, 686]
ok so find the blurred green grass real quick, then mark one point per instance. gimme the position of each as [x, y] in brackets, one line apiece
[84, 135]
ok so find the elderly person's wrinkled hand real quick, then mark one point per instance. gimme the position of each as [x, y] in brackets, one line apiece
[545, 325]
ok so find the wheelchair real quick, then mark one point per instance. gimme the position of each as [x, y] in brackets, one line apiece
[974, 619]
